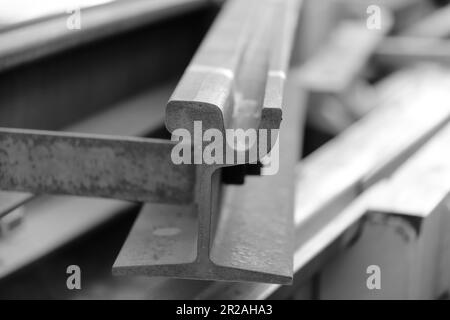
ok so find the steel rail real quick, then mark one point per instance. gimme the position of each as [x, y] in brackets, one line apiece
[403, 51]
[332, 76]
[230, 84]
[106, 122]
[314, 247]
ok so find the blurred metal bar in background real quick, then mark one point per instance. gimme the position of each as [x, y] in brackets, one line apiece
[404, 230]
[435, 25]
[31, 41]
[333, 74]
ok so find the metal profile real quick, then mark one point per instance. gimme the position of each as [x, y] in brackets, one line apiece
[241, 88]
[135, 169]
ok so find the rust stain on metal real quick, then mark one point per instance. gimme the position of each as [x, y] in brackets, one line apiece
[134, 169]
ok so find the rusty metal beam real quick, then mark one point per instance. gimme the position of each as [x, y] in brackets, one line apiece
[403, 51]
[332, 76]
[126, 168]
[52, 221]
[144, 112]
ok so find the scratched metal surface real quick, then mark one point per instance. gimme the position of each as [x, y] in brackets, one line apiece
[135, 169]
[162, 234]
[52, 221]
[337, 65]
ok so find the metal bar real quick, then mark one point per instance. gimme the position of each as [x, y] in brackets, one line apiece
[229, 73]
[32, 41]
[52, 221]
[420, 42]
[435, 25]
[204, 93]
[139, 169]
[162, 241]
[143, 111]
[201, 257]
[251, 235]
[134, 169]
[401, 51]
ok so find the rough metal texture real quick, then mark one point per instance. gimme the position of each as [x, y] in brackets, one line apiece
[228, 85]
[52, 221]
[135, 169]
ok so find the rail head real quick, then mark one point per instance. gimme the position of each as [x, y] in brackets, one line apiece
[236, 79]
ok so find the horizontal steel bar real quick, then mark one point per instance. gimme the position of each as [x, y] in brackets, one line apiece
[57, 220]
[134, 169]
[404, 51]
[144, 111]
